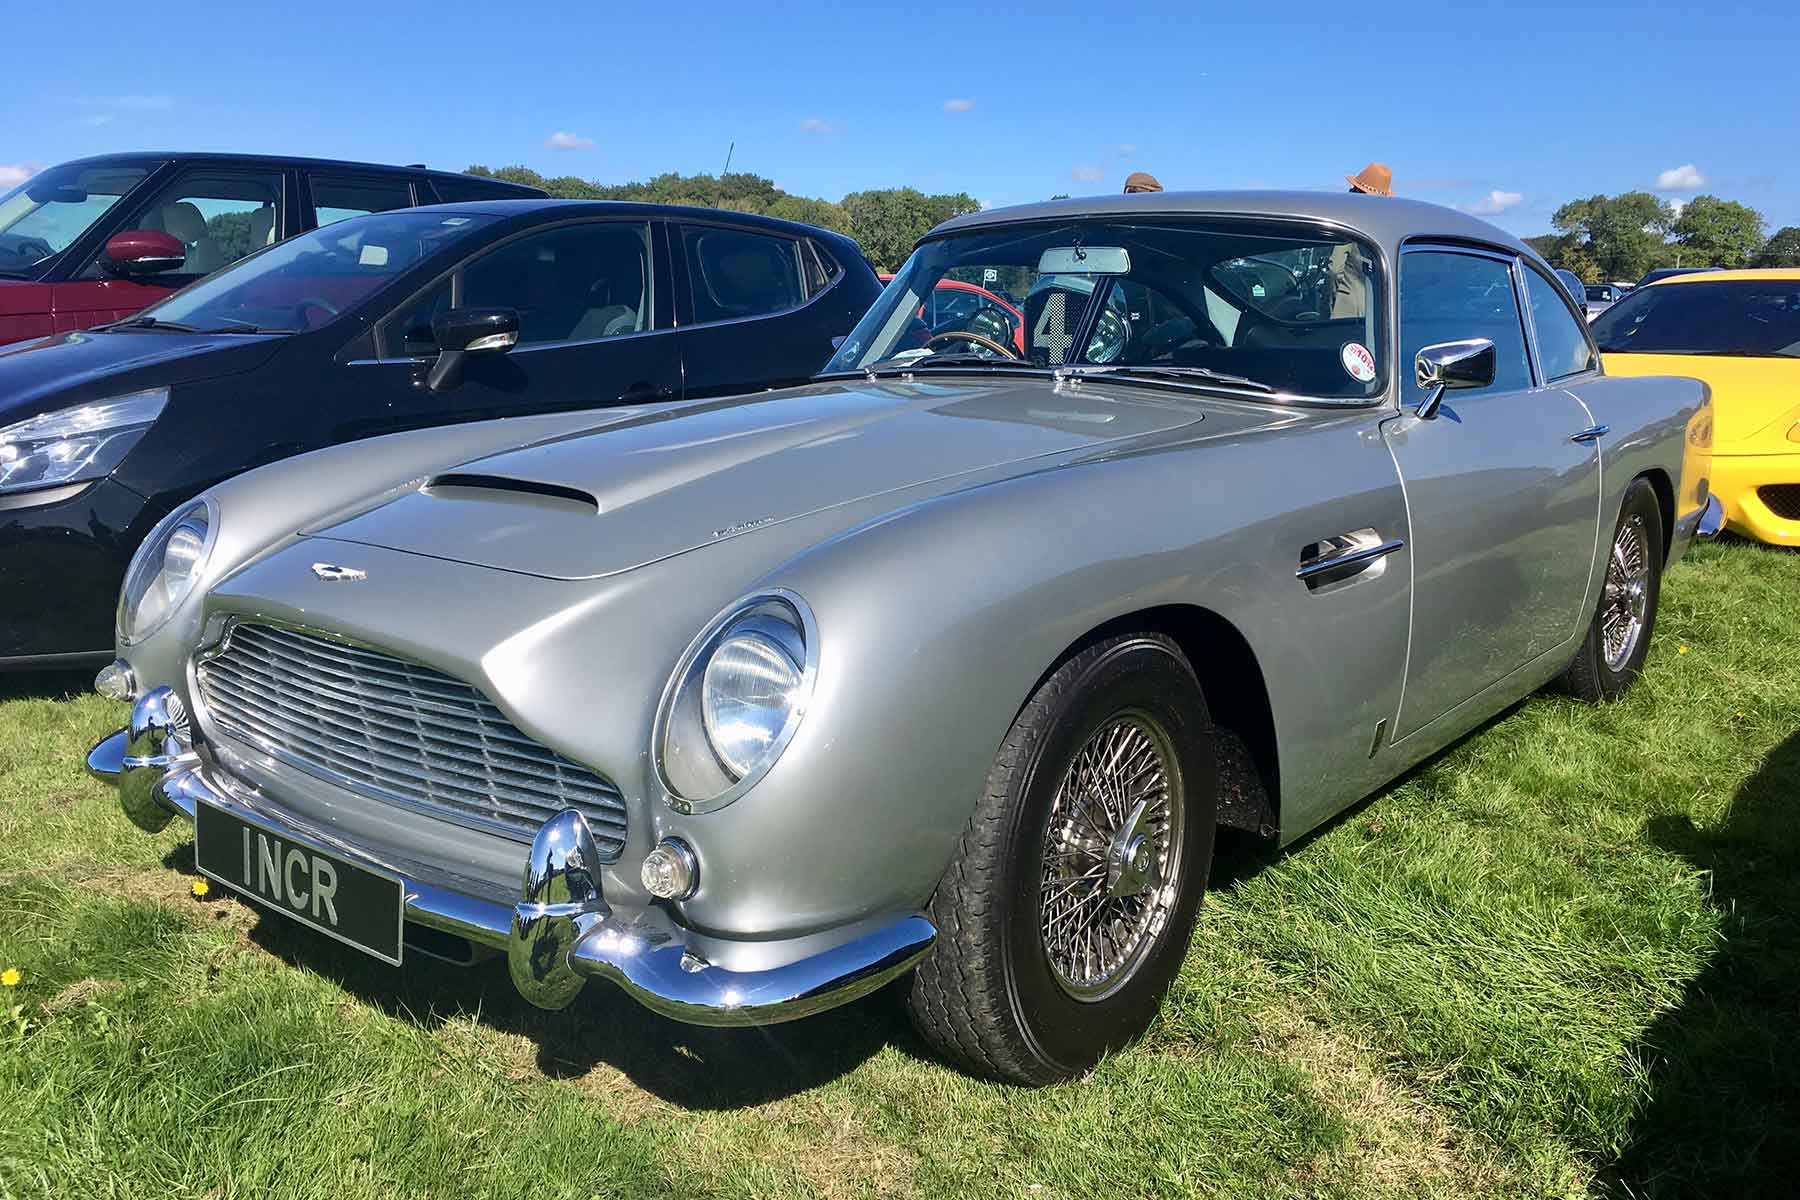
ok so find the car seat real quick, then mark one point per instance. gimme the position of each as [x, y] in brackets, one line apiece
[182, 221]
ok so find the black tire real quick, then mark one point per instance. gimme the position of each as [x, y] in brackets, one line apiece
[987, 996]
[1590, 676]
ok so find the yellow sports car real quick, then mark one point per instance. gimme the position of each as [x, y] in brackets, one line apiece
[1739, 332]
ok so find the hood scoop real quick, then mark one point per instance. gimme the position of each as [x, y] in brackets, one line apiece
[496, 487]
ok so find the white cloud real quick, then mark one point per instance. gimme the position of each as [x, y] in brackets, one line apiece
[1127, 148]
[958, 105]
[820, 125]
[159, 102]
[1087, 174]
[1676, 206]
[562, 139]
[97, 119]
[13, 174]
[1685, 178]
[1493, 203]
[985, 204]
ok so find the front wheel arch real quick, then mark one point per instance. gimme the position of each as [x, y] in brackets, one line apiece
[1231, 679]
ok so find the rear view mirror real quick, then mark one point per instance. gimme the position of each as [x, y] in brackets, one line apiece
[51, 194]
[1466, 364]
[1085, 260]
[465, 331]
[144, 252]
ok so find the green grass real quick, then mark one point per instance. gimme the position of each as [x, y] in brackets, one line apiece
[1563, 958]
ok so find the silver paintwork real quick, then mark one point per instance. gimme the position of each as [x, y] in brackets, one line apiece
[953, 535]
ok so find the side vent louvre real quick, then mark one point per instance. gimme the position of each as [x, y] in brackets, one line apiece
[528, 487]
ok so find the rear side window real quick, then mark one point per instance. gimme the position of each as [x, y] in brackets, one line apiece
[336, 198]
[1448, 297]
[463, 190]
[736, 273]
[821, 268]
[1563, 348]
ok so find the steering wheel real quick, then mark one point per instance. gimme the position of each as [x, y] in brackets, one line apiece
[963, 335]
[29, 249]
[306, 302]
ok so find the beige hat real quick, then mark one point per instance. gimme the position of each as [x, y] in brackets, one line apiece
[1141, 181]
[1377, 179]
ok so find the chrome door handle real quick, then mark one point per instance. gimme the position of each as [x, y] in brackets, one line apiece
[1592, 433]
[1338, 558]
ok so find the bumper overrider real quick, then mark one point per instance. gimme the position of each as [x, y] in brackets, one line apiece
[559, 934]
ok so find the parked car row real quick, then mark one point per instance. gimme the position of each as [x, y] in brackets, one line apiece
[1095, 533]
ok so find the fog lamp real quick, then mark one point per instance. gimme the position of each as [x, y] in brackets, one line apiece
[115, 681]
[670, 870]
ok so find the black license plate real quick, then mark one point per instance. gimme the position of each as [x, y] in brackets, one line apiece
[357, 906]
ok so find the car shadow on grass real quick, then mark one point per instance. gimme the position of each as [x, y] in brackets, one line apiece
[1723, 1118]
[45, 685]
[686, 1065]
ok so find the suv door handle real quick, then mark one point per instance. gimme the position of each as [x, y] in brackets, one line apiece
[644, 393]
[1592, 433]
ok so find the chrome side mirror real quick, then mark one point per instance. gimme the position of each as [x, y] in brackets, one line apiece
[1465, 364]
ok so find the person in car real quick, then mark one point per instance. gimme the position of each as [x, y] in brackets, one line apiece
[1349, 271]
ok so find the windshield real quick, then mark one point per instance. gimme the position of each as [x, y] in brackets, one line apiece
[43, 215]
[307, 281]
[1751, 318]
[1272, 306]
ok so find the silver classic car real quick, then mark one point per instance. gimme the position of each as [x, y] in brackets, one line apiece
[951, 662]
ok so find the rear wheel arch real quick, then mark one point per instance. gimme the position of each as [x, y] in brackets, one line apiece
[1231, 679]
[1659, 482]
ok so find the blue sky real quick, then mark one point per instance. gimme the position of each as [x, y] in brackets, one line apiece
[1508, 109]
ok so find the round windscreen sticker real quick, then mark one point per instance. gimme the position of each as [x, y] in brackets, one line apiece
[1359, 364]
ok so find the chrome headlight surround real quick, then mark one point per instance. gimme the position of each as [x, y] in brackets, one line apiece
[195, 527]
[693, 773]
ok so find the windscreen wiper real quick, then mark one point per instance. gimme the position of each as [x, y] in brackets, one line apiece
[238, 326]
[1173, 374]
[949, 360]
[150, 323]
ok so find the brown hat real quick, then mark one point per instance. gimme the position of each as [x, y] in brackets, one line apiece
[1141, 181]
[1377, 179]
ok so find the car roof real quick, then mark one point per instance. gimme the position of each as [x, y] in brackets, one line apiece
[1385, 220]
[140, 156]
[1782, 274]
[637, 208]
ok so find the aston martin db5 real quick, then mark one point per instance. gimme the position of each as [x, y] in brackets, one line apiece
[950, 662]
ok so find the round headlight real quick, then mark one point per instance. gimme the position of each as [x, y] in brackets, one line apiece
[735, 700]
[164, 570]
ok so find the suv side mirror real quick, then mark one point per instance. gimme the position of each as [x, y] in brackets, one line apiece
[144, 252]
[465, 331]
[1466, 364]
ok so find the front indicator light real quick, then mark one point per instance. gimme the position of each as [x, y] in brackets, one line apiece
[116, 682]
[670, 870]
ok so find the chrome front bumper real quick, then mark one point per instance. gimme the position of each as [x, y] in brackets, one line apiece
[560, 933]
[1712, 520]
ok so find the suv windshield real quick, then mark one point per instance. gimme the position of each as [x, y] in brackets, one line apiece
[1750, 318]
[307, 281]
[1272, 306]
[40, 217]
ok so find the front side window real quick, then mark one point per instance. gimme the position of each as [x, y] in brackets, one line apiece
[43, 215]
[1447, 296]
[1271, 306]
[575, 283]
[218, 216]
[1736, 318]
[338, 198]
[310, 280]
[1563, 348]
[738, 274]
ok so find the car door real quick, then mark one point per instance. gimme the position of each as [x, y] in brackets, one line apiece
[594, 329]
[756, 309]
[218, 213]
[1502, 489]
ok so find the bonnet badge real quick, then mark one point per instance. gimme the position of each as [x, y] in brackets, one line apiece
[332, 573]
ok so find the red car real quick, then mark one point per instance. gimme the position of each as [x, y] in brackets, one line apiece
[967, 308]
[97, 239]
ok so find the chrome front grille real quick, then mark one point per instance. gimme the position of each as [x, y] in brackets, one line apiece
[398, 732]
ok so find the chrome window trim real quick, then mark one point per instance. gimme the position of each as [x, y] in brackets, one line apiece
[1521, 307]
[211, 731]
[1524, 265]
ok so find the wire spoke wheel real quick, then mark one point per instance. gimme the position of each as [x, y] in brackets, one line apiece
[1626, 601]
[1112, 856]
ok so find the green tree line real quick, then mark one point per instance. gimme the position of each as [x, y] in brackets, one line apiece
[885, 221]
[1620, 237]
